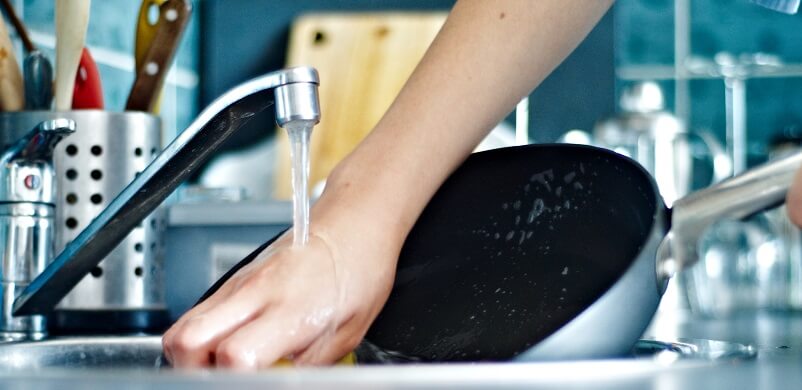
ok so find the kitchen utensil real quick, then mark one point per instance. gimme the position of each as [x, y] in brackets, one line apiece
[365, 59]
[37, 70]
[38, 81]
[88, 93]
[12, 96]
[584, 284]
[547, 252]
[145, 33]
[152, 70]
[145, 30]
[72, 19]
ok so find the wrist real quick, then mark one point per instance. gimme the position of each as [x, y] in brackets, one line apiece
[362, 209]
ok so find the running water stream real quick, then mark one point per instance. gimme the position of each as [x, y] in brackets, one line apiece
[299, 132]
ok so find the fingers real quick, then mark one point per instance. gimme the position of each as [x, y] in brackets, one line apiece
[261, 342]
[185, 349]
[191, 342]
[174, 342]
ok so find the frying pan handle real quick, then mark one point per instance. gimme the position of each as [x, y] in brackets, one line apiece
[738, 197]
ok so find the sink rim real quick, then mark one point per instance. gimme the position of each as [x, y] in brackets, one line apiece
[86, 340]
[136, 352]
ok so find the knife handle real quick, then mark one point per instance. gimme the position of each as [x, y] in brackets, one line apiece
[12, 93]
[145, 31]
[173, 18]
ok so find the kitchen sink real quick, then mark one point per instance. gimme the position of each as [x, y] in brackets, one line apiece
[91, 352]
[144, 353]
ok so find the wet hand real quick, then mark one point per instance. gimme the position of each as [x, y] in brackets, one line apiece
[311, 305]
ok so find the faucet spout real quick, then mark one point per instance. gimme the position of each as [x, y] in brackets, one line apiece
[294, 91]
[297, 102]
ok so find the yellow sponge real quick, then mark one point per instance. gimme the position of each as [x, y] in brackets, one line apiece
[347, 360]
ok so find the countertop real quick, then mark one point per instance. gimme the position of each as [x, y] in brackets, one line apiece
[777, 336]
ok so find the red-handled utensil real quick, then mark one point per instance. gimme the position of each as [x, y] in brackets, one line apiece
[88, 93]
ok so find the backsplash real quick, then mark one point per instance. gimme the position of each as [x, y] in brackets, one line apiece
[110, 38]
[644, 45]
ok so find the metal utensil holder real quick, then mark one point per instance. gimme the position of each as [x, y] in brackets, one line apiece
[125, 292]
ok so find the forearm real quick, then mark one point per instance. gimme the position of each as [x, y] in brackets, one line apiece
[488, 55]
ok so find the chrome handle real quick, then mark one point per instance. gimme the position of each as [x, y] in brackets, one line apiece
[753, 191]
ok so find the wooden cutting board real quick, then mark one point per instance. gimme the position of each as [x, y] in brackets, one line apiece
[364, 60]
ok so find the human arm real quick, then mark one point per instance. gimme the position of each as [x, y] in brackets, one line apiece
[794, 200]
[315, 303]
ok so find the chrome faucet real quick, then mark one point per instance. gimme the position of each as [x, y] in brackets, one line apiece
[296, 98]
[27, 209]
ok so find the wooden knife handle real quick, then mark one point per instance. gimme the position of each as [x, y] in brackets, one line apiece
[72, 19]
[145, 31]
[173, 19]
[18, 25]
[12, 95]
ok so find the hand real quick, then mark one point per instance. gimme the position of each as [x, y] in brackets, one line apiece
[793, 201]
[311, 305]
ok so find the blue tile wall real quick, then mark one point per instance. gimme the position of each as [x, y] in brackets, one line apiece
[112, 26]
[645, 36]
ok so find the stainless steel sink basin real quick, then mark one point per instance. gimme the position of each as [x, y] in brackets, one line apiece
[92, 352]
[143, 353]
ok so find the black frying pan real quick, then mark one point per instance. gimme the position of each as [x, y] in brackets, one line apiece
[547, 252]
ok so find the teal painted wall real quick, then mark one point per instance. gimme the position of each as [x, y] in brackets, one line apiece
[645, 36]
